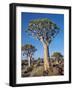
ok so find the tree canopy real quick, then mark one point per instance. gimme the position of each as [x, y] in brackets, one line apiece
[57, 55]
[28, 49]
[43, 29]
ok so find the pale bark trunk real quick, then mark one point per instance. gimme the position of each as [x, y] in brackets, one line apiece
[46, 52]
[29, 61]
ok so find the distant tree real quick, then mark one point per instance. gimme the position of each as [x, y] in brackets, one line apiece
[39, 58]
[44, 30]
[57, 55]
[29, 51]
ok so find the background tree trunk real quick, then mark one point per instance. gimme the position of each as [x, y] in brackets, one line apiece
[46, 59]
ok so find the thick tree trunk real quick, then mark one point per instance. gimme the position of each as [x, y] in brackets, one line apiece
[29, 61]
[46, 52]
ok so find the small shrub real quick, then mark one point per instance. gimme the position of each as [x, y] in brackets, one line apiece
[29, 69]
[25, 72]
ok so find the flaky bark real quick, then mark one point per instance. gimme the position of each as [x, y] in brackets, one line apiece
[46, 54]
[46, 63]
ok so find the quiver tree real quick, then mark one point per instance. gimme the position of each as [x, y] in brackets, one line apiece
[57, 55]
[43, 30]
[28, 50]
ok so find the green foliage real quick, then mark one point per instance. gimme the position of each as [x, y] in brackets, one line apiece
[38, 58]
[27, 46]
[28, 49]
[43, 23]
[43, 28]
[57, 55]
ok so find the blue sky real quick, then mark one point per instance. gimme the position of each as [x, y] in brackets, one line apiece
[57, 45]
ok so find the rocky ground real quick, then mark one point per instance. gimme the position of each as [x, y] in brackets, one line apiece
[36, 69]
